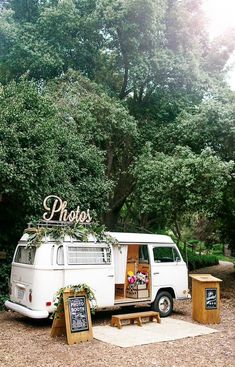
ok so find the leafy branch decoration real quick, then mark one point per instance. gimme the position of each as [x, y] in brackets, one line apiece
[76, 289]
[37, 235]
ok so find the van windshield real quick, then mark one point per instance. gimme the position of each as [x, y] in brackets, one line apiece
[25, 255]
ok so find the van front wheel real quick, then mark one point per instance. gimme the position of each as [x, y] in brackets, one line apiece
[163, 304]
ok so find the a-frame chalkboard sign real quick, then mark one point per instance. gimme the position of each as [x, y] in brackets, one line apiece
[75, 319]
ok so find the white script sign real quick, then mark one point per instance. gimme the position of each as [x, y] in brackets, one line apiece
[59, 206]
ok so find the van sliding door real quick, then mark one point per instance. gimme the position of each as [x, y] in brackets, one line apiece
[92, 264]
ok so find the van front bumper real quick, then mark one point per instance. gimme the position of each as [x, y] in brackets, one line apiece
[26, 311]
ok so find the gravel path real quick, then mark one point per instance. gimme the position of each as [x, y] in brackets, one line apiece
[28, 343]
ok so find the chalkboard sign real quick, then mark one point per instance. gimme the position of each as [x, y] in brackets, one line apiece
[211, 298]
[78, 314]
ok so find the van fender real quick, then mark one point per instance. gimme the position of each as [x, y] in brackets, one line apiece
[157, 290]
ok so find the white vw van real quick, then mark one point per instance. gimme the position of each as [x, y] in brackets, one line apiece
[140, 268]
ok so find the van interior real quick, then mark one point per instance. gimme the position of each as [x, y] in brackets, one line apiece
[132, 274]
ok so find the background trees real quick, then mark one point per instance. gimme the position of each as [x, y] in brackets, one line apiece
[42, 153]
[157, 81]
[173, 187]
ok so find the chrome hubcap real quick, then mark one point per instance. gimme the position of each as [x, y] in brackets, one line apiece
[164, 304]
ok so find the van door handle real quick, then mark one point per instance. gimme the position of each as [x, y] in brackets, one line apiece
[22, 286]
[111, 276]
[156, 273]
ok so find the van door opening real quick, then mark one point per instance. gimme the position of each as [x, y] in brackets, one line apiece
[132, 259]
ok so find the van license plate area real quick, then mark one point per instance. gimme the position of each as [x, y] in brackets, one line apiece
[20, 293]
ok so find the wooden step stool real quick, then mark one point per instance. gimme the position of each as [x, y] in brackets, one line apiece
[137, 316]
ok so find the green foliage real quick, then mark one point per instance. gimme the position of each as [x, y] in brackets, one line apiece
[218, 249]
[44, 39]
[102, 121]
[211, 124]
[76, 289]
[70, 138]
[196, 261]
[77, 231]
[179, 184]
[42, 153]
[4, 283]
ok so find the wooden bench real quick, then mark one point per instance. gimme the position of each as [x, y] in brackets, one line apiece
[137, 316]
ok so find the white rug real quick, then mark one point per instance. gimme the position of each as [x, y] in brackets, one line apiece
[151, 332]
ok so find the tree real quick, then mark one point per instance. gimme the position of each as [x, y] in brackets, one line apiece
[211, 124]
[45, 38]
[42, 153]
[104, 122]
[154, 56]
[180, 184]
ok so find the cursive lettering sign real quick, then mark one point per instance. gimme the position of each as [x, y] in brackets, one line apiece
[58, 207]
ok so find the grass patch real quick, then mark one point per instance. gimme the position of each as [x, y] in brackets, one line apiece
[226, 258]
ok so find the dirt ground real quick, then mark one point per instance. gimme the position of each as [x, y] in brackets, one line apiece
[25, 342]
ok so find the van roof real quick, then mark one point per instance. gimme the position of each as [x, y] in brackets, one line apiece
[121, 237]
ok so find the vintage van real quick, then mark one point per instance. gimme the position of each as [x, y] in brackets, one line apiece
[138, 269]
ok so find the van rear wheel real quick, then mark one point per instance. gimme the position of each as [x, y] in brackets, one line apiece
[163, 304]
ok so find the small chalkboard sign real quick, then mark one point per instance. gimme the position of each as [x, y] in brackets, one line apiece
[77, 317]
[78, 314]
[211, 298]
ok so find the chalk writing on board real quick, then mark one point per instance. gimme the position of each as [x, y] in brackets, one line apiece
[78, 314]
[211, 298]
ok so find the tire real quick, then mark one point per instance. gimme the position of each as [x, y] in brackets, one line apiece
[163, 304]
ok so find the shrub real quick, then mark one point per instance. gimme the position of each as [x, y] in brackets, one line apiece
[218, 249]
[4, 283]
[196, 261]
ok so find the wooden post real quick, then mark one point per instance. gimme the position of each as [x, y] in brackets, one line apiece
[206, 298]
[58, 325]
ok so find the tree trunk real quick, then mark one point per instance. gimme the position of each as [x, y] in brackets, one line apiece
[122, 190]
[110, 218]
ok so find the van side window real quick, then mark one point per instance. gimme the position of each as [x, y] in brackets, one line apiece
[165, 254]
[143, 254]
[25, 255]
[60, 256]
[88, 255]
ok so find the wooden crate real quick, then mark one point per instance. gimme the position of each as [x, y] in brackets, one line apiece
[137, 292]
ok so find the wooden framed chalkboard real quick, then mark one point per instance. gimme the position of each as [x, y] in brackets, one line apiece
[73, 318]
[78, 314]
[77, 317]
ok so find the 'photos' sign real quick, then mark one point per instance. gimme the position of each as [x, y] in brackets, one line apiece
[57, 209]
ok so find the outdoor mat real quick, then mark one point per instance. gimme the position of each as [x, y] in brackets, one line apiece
[151, 332]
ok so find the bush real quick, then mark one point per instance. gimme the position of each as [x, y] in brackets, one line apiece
[4, 283]
[196, 261]
[218, 249]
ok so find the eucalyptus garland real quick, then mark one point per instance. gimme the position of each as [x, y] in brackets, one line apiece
[76, 289]
[38, 234]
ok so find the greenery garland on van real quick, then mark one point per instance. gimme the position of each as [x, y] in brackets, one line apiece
[78, 231]
[76, 289]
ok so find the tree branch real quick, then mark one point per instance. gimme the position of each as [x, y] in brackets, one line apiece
[123, 93]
